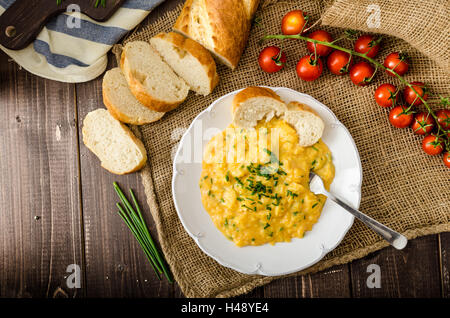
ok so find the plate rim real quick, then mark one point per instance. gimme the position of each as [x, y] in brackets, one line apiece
[258, 271]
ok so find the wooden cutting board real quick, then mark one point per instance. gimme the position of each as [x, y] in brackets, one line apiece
[24, 19]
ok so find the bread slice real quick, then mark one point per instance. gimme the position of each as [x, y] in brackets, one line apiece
[119, 151]
[306, 121]
[255, 103]
[191, 61]
[122, 104]
[150, 79]
[220, 26]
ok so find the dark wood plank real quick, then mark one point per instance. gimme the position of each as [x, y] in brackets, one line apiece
[331, 283]
[115, 263]
[444, 242]
[40, 232]
[412, 272]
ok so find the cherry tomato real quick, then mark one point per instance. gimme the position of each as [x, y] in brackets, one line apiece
[399, 118]
[338, 62]
[411, 97]
[423, 123]
[308, 69]
[386, 94]
[398, 62]
[293, 22]
[367, 43]
[443, 116]
[432, 145]
[361, 73]
[320, 35]
[447, 159]
[270, 59]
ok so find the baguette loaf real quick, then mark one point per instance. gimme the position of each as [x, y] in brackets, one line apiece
[119, 151]
[122, 104]
[150, 79]
[220, 26]
[191, 61]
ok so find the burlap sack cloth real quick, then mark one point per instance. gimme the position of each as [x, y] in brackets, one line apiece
[402, 187]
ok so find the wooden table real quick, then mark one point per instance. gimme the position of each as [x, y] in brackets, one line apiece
[57, 208]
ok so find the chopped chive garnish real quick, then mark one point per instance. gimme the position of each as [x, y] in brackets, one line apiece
[266, 226]
[314, 205]
[292, 194]
[269, 216]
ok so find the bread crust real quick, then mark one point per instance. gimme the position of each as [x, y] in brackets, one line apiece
[294, 105]
[250, 92]
[139, 91]
[230, 23]
[121, 116]
[135, 140]
[197, 51]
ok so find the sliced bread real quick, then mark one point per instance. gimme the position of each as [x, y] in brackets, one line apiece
[122, 104]
[306, 121]
[150, 79]
[255, 103]
[119, 151]
[191, 61]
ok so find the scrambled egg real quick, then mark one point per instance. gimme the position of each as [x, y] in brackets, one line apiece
[255, 183]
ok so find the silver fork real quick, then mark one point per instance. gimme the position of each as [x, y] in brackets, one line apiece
[394, 238]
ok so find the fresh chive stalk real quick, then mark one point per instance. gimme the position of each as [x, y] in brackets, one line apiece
[135, 221]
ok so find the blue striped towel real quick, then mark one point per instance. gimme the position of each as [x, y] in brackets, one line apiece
[76, 54]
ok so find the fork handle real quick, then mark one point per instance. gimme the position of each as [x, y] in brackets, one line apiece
[394, 238]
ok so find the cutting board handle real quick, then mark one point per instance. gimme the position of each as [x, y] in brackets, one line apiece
[22, 22]
[24, 19]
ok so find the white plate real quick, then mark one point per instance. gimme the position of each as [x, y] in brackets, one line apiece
[281, 258]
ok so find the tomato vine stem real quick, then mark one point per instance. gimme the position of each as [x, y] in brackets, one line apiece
[364, 56]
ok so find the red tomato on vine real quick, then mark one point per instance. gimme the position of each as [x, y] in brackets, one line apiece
[397, 62]
[293, 22]
[411, 97]
[423, 123]
[308, 68]
[400, 117]
[320, 35]
[432, 145]
[447, 159]
[339, 62]
[386, 95]
[443, 116]
[367, 44]
[361, 73]
[270, 60]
